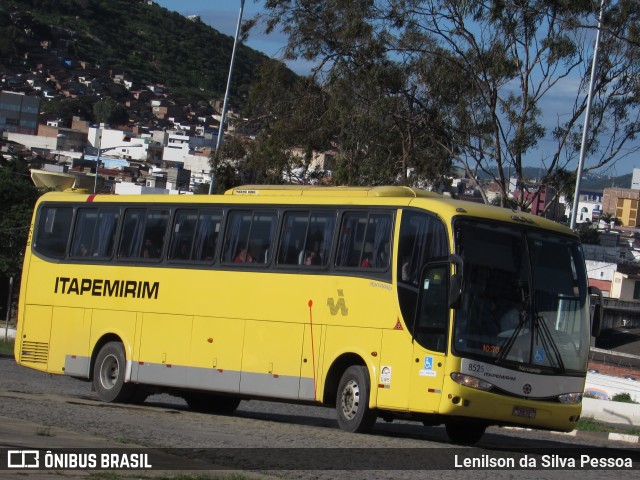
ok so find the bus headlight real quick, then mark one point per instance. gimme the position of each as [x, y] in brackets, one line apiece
[471, 382]
[570, 398]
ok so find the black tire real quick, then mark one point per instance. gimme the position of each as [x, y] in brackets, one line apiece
[108, 374]
[352, 401]
[207, 403]
[464, 433]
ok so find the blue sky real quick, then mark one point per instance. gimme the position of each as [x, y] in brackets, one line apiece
[223, 16]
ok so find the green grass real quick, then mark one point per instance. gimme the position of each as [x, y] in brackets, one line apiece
[44, 432]
[5, 347]
[591, 425]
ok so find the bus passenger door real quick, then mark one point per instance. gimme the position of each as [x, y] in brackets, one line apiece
[430, 339]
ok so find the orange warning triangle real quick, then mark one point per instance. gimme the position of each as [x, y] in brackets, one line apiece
[398, 326]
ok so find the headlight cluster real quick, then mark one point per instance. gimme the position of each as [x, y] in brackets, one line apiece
[474, 382]
[570, 398]
[471, 382]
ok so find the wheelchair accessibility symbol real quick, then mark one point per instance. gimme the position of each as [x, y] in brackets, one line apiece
[428, 363]
[427, 370]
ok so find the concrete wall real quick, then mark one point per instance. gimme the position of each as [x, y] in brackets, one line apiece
[611, 412]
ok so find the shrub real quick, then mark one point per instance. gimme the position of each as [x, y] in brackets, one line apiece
[623, 397]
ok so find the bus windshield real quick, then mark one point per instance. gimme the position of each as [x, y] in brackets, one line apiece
[524, 299]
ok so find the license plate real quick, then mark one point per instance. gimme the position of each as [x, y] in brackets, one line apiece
[524, 412]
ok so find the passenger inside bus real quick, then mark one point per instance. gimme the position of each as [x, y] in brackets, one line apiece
[313, 258]
[84, 250]
[244, 256]
[183, 254]
[149, 250]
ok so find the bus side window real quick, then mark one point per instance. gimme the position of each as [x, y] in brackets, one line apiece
[365, 241]
[195, 234]
[433, 313]
[306, 238]
[52, 231]
[249, 237]
[423, 239]
[206, 236]
[94, 233]
[182, 236]
[292, 239]
[143, 233]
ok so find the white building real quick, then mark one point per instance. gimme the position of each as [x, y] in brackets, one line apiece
[200, 169]
[176, 148]
[635, 179]
[127, 188]
[587, 211]
[106, 138]
[601, 275]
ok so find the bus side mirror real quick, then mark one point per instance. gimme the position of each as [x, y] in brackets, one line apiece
[597, 311]
[455, 283]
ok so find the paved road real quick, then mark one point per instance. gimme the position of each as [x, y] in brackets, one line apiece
[46, 411]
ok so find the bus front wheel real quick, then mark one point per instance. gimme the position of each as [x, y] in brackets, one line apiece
[352, 402]
[108, 374]
[464, 434]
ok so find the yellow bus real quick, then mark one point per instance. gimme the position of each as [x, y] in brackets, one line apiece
[383, 302]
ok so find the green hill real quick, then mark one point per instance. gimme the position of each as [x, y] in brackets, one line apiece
[149, 42]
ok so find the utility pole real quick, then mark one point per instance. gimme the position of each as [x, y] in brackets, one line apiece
[585, 130]
[226, 97]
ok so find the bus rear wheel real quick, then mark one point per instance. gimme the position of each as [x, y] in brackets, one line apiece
[463, 433]
[108, 374]
[352, 401]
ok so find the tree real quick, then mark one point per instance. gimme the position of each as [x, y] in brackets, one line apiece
[18, 196]
[226, 164]
[480, 73]
[366, 110]
[107, 110]
[67, 108]
[293, 119]
[589, 233]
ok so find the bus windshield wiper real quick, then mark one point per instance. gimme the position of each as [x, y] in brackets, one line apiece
[547, 341]
[508, 343]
